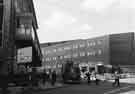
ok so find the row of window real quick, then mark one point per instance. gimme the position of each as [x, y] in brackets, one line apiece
[53, 66]
[24, 59]
[89, 44]
[81, 54]
[56, 65]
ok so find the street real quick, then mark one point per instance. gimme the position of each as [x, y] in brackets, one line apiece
[103, 88]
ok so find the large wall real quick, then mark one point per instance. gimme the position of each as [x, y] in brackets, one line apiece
[121, 48]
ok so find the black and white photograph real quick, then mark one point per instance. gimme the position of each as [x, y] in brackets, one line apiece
[67, 46]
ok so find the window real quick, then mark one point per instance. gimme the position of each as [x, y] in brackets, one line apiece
[22, 6]
[75, 55]
[54, 58]
[22, 28]
[59, 66]
[93, 53]
[75, 46]
[28, 32]
[32, 33]
[61, 57]
[67, 56]
[93, 43]
[47, 52]
[54, 66]
[54, 50]
[60, 49]
[43, 59]
[48, 66]
[48, 59]
[67, 48]
[99, 52]
[23, 31]
[89, 44]
[82, 53]
[43, 52]
[89, 53]
[82, 45]
[99, 42]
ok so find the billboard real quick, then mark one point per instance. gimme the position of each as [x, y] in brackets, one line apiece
[24, 55]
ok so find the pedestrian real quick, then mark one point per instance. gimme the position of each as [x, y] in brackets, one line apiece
[88, 74]
[53, 78]
[44, 76]
[96, 79]
[49, 75]
[116, 77]
[34, 77]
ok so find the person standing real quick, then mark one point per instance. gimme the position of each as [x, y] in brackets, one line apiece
[44, 76]
[117, 77]
[34, 77]
[53, 78]
[96, 79]
[88, 74]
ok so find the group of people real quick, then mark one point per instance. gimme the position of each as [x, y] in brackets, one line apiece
[43, 78]
[93, 76]
[49, 76]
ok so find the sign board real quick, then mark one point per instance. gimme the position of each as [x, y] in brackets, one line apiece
[24, 55]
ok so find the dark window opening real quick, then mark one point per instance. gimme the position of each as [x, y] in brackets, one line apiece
[17, 23]
[84, 69]
[91, 69]
[101, 69]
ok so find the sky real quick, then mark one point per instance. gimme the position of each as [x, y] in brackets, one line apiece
[61, 20]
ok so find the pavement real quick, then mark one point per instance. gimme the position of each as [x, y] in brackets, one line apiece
[92, 88]
[48, 87]
[22, 90]
[126, 90]
[125, 80]
[130, 80]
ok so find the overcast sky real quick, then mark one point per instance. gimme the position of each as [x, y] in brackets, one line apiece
[81, 19]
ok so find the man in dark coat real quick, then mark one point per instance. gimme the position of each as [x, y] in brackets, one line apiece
[44, 76]
[53, 78]
[88, 74]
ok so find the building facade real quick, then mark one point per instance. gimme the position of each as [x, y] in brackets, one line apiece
[91, 51]
[114, 50]
[24, 55]
[122, 50]
[18, 25]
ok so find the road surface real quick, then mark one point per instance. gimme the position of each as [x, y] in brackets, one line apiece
[103, 88]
